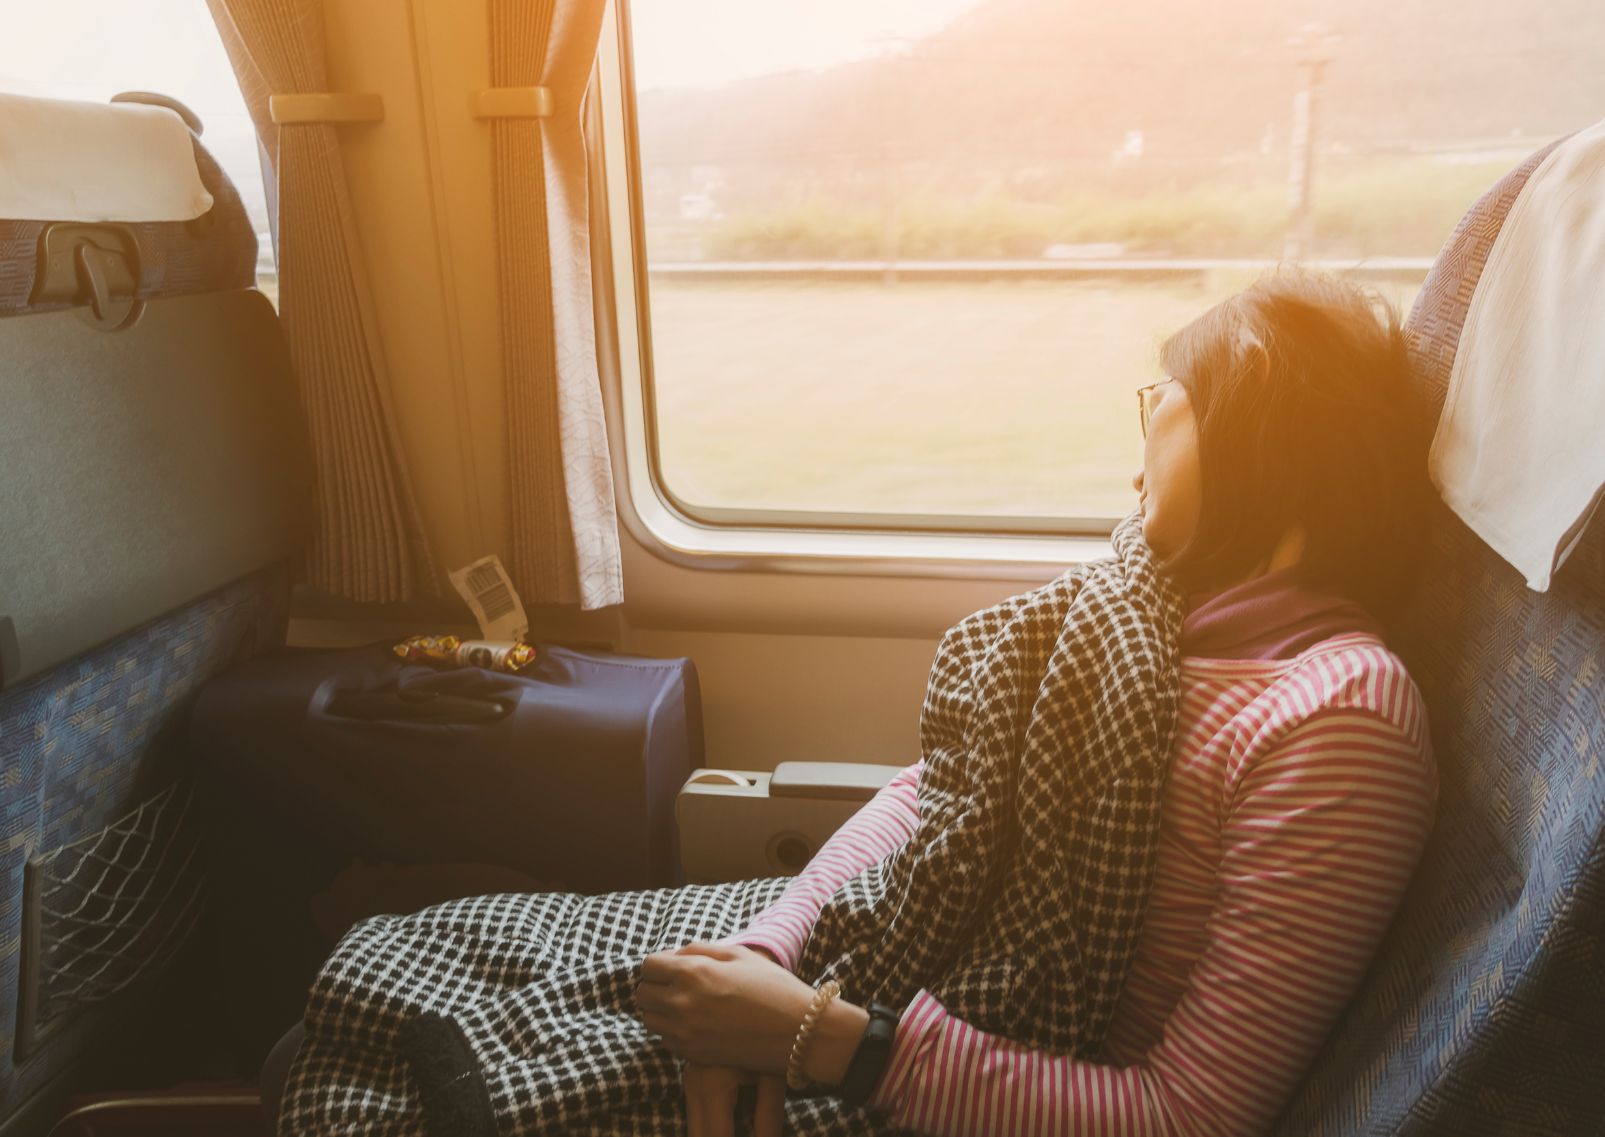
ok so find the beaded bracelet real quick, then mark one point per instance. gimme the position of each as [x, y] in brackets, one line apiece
[823, 994]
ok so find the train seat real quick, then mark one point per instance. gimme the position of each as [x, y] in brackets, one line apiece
[155, 489]
[1484, 1011]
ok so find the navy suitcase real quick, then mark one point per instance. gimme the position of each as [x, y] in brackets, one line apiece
[312, 761]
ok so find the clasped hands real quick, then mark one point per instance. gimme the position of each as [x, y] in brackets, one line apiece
[732, 1013]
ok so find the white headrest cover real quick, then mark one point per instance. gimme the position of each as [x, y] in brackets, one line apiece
[1517, 453]
[73, 161]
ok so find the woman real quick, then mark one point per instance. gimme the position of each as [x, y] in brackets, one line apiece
[1283, 470]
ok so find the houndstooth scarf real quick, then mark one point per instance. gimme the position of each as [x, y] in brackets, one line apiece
[1046, 733]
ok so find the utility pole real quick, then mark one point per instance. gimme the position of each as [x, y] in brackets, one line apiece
[898, 124]
[1313, 48]
[891, 211]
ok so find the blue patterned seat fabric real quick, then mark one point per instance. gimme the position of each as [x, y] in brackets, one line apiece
[85, 743]
[1484, 1012]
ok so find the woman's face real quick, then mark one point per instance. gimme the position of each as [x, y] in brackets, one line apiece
[1169, 482]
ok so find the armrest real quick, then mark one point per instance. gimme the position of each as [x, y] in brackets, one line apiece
[739, 824]
[836, 781]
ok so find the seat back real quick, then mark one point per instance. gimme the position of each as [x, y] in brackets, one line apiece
[154, 489]
[1485, 1009]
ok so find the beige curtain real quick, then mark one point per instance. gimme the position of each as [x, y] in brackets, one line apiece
[563, 533]
[369, 543]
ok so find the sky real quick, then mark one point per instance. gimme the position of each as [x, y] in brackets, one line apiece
[706, 42]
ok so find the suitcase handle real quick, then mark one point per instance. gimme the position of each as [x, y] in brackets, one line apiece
[414, 705]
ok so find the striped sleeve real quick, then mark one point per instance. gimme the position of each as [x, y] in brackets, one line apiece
[885, 822]
[1317, 846]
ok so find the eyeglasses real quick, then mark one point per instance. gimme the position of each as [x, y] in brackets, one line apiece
[1146, 399]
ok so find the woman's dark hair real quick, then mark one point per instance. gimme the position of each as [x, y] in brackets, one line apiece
[1306, 415]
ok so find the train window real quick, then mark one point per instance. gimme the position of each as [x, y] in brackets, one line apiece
[91, 50]
[906, 260]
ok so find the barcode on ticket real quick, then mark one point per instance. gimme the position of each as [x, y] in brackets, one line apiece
[491, 591]
[489, 594]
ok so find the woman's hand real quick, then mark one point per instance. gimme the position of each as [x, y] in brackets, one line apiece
[710, 1100]
[769, 955]
[718, 1005]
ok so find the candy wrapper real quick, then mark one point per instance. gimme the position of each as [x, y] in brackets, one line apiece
[449, 651]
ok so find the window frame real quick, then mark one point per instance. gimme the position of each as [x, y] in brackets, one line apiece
[776, 540]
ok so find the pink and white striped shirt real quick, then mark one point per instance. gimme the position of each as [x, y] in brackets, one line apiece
[1300, 794]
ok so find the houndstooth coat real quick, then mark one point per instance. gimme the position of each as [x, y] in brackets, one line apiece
[1046, 733]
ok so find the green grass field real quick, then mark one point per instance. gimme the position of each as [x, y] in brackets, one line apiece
[989, 398]
[1406, 206]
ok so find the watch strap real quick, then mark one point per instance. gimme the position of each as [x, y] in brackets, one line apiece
[870, 1058]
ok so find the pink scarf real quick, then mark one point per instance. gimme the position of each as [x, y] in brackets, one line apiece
[1271, 616]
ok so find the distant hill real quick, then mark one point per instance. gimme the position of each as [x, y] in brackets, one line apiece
[1060, 82]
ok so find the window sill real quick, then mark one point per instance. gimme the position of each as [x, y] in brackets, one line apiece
[671, 537]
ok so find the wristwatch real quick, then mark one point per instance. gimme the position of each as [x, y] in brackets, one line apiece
[869, 1060]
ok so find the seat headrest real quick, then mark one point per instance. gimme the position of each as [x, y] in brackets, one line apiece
[77, 161]
[210, 246]
[1439, 312]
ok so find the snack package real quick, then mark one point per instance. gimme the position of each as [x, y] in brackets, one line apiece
[449, 651]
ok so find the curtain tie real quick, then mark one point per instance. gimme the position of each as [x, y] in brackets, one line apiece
[513, 102]
[324, 107]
